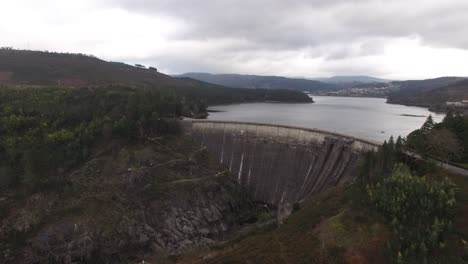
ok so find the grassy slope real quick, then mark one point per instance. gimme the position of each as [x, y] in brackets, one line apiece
[337, 227]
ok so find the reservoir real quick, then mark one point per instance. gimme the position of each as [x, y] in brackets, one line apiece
[367, 118]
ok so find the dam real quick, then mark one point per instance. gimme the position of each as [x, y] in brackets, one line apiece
[280, 165]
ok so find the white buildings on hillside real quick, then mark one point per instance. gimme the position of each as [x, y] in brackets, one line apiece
[463, 103]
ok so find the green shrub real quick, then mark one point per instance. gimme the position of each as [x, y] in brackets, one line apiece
[419, 211]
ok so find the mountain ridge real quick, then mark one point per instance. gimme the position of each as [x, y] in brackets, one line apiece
[352, 79]
[260, 82]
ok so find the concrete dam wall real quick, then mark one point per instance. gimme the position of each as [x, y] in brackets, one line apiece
[280, 165]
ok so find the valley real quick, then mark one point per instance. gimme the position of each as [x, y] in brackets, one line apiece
[431, 93]
[114, 167]
[233, 132]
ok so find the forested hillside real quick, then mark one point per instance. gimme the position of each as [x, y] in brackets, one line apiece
[46, 131]
[446, 141]
[100, 175]
[433, 93]
[75, 70]
[34, 68]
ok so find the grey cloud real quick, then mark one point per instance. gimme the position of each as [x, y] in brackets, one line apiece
[293, 24]
[351, 68]
[361, 48]
[437, 23]
[338, 31]
[291, 37]
[181, 64]
[275, 24]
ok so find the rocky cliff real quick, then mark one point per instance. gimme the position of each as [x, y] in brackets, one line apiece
[162, 198]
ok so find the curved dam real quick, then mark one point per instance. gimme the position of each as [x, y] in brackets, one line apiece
[280, 165]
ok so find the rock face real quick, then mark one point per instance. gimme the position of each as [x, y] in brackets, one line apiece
[124, 204]
[279, 165]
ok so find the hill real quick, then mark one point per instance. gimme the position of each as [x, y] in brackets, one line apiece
[216, 94]
[433, 93]
[263, 82]
[76, 70]
[418, 86]
[36, 68]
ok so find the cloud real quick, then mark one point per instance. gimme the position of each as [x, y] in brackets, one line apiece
[306, 38]
[297, 23]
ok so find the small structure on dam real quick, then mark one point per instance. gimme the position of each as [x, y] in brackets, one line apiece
[280, 165]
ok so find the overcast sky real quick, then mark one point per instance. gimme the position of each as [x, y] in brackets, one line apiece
[396, 39]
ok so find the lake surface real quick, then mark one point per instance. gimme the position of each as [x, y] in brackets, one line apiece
[368, 118]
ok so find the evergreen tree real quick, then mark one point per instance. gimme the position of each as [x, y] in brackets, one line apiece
[391, 144]
[427, 126]
[399, 144]
[419, 212]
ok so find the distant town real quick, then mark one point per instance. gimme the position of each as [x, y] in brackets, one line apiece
[363, 91]
[462, 103]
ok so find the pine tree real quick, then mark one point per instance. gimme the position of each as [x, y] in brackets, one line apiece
[391, 144]
[399, 144]
[427, 126]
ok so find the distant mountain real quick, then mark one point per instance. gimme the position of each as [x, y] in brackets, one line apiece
[263, 82]
[352, 79]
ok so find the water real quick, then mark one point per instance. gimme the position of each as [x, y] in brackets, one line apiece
[368, 118]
